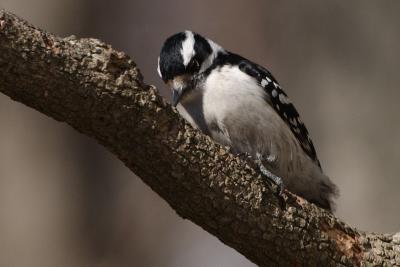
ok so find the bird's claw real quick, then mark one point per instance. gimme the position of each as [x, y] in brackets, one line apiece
[276, 179]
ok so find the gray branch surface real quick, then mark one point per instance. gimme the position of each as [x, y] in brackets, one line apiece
[100, 92]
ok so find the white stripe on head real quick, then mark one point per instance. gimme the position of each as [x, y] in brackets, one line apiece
[158, 68]
[209, 60]
[187, 50]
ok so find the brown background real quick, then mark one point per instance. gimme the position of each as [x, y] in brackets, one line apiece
[65, 201]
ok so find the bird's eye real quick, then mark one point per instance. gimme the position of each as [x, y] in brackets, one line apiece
[194, 65]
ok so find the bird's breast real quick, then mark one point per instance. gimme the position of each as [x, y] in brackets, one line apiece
[234, 110]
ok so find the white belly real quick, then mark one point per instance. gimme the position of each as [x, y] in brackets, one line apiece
[234, 110]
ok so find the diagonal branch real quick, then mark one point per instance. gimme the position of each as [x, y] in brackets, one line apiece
[100, 92]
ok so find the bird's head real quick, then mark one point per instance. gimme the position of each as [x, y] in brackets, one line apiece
[183, 57]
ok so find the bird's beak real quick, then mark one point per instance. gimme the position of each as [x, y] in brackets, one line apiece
[179, 85]
[176, 96]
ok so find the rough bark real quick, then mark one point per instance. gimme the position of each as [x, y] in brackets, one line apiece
[100, 92]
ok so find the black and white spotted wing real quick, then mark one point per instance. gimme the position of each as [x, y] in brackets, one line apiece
[282, 105]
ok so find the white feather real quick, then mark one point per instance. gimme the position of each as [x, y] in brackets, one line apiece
[209, 60]
[234, 110]
[187, 50]
[158, 68]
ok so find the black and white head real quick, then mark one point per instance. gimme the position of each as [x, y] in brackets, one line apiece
[183, 57]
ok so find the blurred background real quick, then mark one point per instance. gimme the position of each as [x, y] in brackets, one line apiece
[66, 201]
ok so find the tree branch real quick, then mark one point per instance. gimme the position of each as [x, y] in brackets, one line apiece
[100, 92]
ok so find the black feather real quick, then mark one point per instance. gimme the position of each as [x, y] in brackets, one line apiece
[171, 61]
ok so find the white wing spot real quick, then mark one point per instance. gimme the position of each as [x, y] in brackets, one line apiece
[268, 79]
[283, 99]
[274, 93]
[277, 107]
[299, 121]
[264, 82]
[187, 50]
[276, 85]
[307, 145]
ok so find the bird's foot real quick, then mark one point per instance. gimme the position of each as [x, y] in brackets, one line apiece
[257, 163]
[276, 179]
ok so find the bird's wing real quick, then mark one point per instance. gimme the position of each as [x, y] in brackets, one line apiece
[282, 105]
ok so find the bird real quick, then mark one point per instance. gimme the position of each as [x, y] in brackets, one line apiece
[239, 104]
